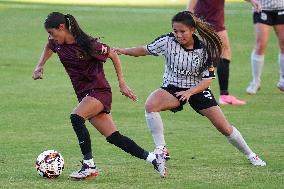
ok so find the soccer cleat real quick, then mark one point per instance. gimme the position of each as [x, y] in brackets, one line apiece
[163, 151]
[160, 165]
[256, 161]
[230, 100]
[280, 86]
[86, 172]
[253, 88]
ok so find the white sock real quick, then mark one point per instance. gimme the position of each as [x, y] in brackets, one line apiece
[251, 155]
[237, 140]
[155, 124]
[281, 66]
[257, 62]
[89, 162]
[151, 157]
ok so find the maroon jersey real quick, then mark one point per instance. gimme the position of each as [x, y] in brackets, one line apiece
[85, 72]
[212, 11]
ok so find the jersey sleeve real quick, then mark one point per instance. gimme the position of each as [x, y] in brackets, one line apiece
[158, 46]
[51, 44]
[100, 51]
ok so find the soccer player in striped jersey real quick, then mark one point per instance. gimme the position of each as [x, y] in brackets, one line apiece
[190, 52]
[212, 11]
[270, 14]
[83, 57]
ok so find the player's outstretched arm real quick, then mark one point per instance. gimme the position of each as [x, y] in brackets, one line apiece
[124, 89]
[135, 51]
[45, 55]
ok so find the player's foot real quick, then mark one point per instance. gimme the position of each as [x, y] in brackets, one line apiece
[230, 100]
[256, 161]
[164, 151]
[280, 86]
[160, 165]
[86, 172]
[253, 88]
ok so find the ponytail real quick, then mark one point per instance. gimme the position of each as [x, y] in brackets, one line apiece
[82, 39]
[213, 43]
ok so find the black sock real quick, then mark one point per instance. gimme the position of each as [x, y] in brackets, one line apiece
[127, 145]
[223, 69]
[88, 156]
[83, 135]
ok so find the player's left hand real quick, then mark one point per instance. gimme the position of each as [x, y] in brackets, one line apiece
[184, 95]
[256, 5]
[126, 91]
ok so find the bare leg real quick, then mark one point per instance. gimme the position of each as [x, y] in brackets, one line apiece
[279, 30]
[257, 56]
[227, 54]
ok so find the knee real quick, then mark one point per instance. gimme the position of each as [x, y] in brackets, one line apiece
[226, 131]
[260, 48]
[282, 47]
[150, 107]
[227, 52]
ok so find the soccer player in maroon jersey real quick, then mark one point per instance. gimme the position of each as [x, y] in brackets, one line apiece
[83, 57]
[212, 11]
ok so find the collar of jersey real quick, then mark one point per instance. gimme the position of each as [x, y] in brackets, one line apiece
[196, 44]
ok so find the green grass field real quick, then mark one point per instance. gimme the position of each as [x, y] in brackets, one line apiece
[35, 114]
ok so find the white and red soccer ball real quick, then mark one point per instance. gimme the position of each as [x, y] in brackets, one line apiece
[50, 164]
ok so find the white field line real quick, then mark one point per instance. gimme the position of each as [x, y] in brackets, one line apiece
[108, 9]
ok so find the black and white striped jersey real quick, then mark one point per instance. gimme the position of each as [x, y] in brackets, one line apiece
[183, 67]
[271, 4]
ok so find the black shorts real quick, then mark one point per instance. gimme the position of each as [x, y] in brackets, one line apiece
[270, 18]
[199, 101]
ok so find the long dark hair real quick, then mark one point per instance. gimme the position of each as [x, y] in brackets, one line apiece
[54, 19]
[209, 37]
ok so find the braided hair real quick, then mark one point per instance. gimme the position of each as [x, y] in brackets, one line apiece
[54, 19]
[211, 41]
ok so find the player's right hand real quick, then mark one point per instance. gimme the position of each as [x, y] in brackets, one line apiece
[126, 91]
[38, 73]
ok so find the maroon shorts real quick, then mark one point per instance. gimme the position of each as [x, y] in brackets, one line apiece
[103, 95]
[217, 25]
[212, 15]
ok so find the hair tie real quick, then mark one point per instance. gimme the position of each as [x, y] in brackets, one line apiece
[68, 21]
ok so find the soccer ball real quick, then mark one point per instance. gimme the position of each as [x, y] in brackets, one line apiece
[49, 164]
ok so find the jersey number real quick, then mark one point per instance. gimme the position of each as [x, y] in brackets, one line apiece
[207, 94]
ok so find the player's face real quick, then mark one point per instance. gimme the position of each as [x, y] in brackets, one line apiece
[58, 34]
[183, 33]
